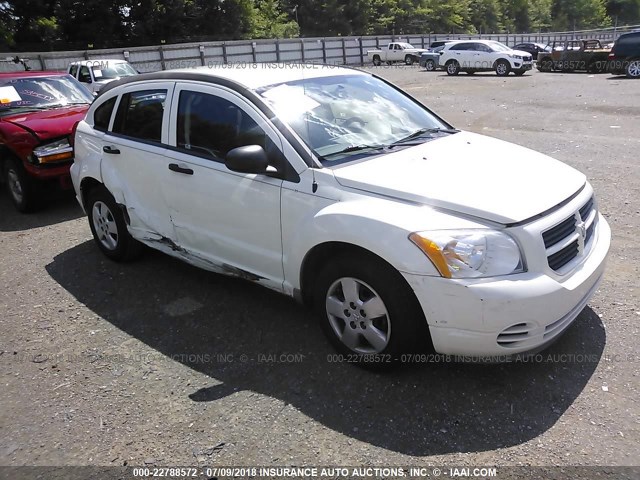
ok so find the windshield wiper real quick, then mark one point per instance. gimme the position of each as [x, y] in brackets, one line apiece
[423, 131]
[354, 148]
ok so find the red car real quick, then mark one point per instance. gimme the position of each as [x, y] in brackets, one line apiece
[38, 111]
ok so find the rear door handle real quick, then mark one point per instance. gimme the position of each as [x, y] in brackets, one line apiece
[174, 167]
[110, 150]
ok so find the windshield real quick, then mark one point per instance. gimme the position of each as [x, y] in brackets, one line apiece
[498, 47]
[40, 93]
[346, 115]
[111, 70]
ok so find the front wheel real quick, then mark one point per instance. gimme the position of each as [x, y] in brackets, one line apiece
[502, 68]
[633, 68]
[453, 68]
[22, 189]
[108, 226]
[519, 73]
[430, 65]
[368, 311]
[408, 60]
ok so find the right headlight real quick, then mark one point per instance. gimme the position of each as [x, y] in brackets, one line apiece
[470, 253]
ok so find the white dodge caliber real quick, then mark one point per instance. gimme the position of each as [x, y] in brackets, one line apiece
[335, 187]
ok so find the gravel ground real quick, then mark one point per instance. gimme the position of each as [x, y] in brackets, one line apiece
[159, 363]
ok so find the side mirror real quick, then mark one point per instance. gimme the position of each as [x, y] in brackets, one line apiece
[249, 159]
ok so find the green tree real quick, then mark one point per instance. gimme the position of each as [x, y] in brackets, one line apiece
[269, 21]
[625, 11]
[96, 22]
[579, 14]
[486, 16]
[7, 25]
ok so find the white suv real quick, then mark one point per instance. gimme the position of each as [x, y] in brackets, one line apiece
[484, 55]
[333, 186]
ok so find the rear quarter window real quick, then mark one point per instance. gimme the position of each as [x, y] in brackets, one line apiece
[140, 115]
[102, 115]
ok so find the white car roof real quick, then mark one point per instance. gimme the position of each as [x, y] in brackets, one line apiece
[257, 75]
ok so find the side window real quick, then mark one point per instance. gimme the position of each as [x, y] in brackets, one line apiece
[481, 47]
[102, 115]
[140, 115]
[391, 46]
[73, 70]
[210, 126]
[85, 76]
[461, 46]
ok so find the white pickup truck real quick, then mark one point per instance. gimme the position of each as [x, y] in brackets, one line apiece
[396, 52]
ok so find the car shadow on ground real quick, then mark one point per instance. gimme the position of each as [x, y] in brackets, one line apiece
[58, 208]
[426, 409]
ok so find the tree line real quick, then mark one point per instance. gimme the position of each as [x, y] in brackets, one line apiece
[55, 24]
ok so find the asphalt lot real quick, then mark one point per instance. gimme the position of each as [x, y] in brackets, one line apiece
[159, 363]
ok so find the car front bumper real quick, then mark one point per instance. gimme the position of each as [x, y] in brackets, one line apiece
[483, 317]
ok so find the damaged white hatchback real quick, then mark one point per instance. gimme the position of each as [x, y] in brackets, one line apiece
[335, 187]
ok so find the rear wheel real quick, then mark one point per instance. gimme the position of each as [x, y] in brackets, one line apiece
[368, 311]
[376, 60]
[453, 67]
[430, 65]
[633, 68]
[502, 68]
[108, 226]
[23, 190]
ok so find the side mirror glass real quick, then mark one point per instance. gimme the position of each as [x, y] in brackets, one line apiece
[248, 159]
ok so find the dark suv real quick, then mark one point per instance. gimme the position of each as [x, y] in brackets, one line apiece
[38, 111]
[624, 58]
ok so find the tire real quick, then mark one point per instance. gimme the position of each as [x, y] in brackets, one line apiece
[503, 68]
[430, 66]
[633, 68]
[22, 189]
[408, 60]
[109, 228]
[376, 61]
[368, 311]
[471, 72]
[519, 73]
[452, 67]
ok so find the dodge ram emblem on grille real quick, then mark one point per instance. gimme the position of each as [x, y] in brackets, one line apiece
[581, 230]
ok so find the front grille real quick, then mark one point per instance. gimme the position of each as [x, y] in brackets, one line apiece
[562, 257]
[559, 232]
[527, 59]
[566, 240]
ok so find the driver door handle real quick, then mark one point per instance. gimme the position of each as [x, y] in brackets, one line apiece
[174, 167]
[110, 150]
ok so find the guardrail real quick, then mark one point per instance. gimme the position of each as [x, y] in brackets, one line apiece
[330, 50]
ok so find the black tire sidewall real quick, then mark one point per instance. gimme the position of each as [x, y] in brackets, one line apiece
[456, 66]
[430, 65]
[508, 69]
[409, 330]
[122, 250]
[29, 197]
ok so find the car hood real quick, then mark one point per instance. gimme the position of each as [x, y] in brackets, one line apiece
[470, 174]
[48, 124]
[522, 53]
